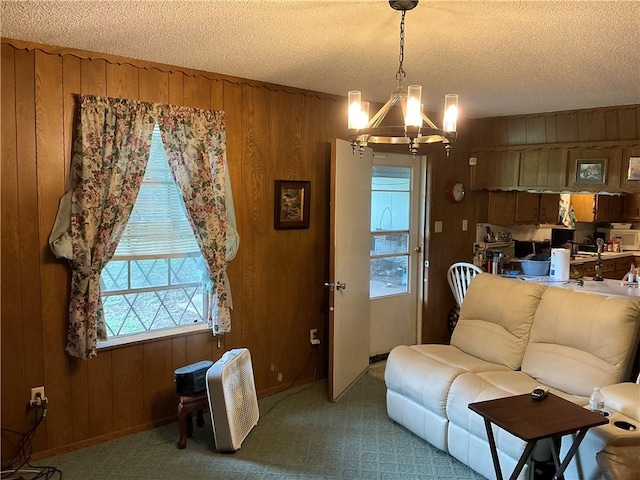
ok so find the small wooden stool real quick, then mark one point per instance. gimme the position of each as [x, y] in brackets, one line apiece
[189, 404]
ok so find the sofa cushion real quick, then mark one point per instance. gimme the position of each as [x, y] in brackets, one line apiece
[581, 340]
[623, 398]
[495, 319]
[424, 373]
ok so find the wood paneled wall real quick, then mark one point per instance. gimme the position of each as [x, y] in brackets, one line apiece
[596, 126]
[277, 277]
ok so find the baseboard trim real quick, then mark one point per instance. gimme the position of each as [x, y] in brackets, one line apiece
[104, 438]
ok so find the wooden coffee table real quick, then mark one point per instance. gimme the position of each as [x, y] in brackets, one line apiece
[531, 420]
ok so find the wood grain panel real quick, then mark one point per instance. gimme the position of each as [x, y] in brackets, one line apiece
[596, 126]
[217, 95]
[29, 230]
[159, 392]
[516, 131]
[93, 77]
[627, 126]
[535, 127]
[611, 121]
[197, 92]
[14, 386]
[551, 128]
[497, 131]
[127, 370]
[51, 184]
[71, 87]
[200, 347]
[583, 126]
[153, 86]
[176, 88]
[567, 127]
[178, 352]
[257, 223]
[122, 81]
[101, 406]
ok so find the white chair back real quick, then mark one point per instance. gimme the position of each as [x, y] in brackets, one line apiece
[460, 275]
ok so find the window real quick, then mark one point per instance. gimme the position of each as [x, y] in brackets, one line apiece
[156, 279]
[390, 223]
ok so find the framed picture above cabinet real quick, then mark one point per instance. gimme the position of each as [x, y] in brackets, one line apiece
[630, 178]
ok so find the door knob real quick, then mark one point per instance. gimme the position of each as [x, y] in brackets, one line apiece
[336, 286]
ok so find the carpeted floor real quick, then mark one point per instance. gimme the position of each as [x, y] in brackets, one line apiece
[300, 435]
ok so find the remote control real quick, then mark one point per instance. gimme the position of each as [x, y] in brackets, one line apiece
[539, 392]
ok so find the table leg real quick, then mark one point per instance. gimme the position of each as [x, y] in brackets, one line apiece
[494, 454]
[572, 451]
[494, 449]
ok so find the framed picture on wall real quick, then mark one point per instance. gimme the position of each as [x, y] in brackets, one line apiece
[634, 168]
[291, 204]
[591, 171]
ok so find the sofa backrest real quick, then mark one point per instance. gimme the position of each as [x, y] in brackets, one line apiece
[582, 340]
[496, 317]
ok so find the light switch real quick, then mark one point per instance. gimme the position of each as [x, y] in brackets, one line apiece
[464, 225]
[473, 161]
[437, 226]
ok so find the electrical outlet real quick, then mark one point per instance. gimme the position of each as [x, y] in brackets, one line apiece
[37, 396]
[313, 336]
[280, 377]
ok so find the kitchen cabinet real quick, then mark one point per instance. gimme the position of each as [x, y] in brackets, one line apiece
[502, 208]
[608, 269]
[527, 207]
[632, 207]
[597, 208]
[508, 208]
[543, 168]
[549, 207]
[495, 171]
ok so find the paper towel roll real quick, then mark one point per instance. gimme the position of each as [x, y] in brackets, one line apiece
[560, 264]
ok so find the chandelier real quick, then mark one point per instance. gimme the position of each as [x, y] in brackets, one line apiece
[418, 128]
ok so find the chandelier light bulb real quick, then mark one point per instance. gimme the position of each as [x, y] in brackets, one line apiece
[413, 115]
[450, 113]
[355, 109]
[364, 115]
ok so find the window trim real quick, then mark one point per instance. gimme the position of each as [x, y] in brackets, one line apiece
[153, 335]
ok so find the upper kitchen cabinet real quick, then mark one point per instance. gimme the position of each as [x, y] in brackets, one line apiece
[594, 169]
[543, 168]
[495, 171]
[549, 208]
[597, 208]
[508, 208]
[502, 208]
[630, 174]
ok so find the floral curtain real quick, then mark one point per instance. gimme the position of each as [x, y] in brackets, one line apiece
[110, 154]
[194, 141]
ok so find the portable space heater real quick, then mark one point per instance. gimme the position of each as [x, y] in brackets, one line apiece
[232, 398]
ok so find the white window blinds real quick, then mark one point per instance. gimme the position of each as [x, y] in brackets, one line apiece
[158, 226]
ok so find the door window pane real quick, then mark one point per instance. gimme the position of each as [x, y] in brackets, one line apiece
[388, 275]
[390, 212]
[389, 244]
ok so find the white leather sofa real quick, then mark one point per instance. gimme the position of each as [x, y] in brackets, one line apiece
[511, 337]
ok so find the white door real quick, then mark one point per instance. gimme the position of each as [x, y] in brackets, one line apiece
[396, 249]
[349, 326]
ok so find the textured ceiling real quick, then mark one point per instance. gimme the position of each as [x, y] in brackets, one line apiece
[502, 58]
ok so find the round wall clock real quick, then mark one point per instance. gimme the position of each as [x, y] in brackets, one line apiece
[455, 191]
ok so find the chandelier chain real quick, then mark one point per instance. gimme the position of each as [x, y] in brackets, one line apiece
[401, 74]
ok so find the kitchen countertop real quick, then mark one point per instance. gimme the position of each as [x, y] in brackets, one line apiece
[606, 287]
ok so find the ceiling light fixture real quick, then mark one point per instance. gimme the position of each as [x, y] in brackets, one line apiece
[363, 130]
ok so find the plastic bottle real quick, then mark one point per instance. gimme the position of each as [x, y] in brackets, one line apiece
[596, 402]
[631, 276]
